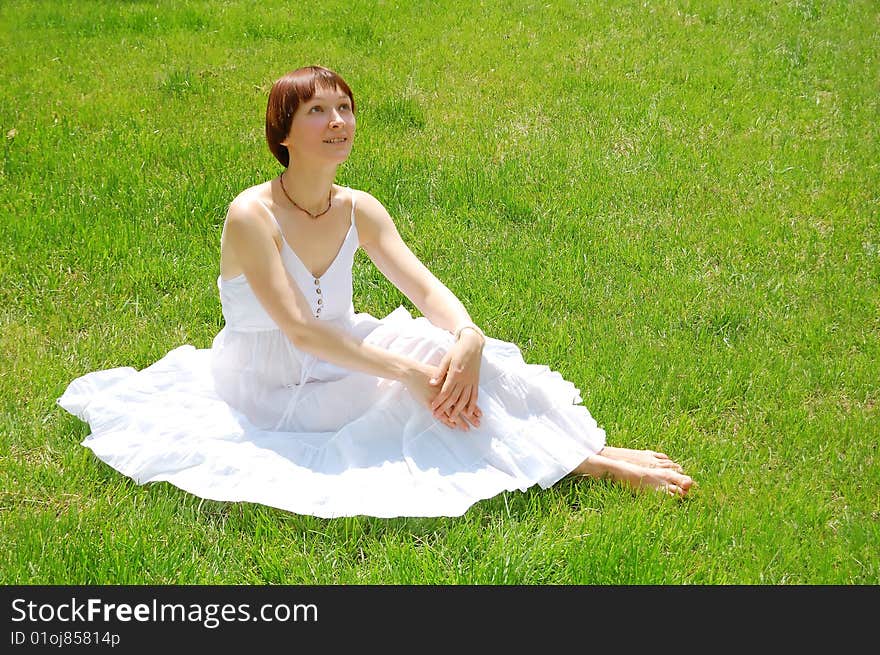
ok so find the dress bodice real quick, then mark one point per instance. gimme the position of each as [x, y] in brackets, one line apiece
[329, 296]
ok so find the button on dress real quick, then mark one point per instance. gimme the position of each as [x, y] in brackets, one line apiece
[253, 418]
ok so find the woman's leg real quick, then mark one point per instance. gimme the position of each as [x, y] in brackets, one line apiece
[668, 479]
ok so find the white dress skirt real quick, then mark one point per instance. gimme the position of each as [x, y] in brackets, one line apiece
[254, 419]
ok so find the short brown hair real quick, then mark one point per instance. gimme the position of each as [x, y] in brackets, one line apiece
[287, 94]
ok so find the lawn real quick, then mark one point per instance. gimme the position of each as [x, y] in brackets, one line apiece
[674, 204]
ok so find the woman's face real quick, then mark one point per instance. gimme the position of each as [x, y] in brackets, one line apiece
[322, 128]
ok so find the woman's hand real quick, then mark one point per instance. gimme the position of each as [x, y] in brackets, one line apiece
[418, 383]
[459, 373]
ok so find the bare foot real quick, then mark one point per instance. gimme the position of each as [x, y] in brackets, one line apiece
[647, 458]
[666, 480]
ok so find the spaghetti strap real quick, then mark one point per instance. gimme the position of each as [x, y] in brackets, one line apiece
[272, 216]
[353, 199]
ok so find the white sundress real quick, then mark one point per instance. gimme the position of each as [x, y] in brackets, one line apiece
[255, 419]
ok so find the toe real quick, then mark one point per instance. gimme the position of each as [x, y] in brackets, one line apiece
[674, 490]
[668, 464]
[681, 492]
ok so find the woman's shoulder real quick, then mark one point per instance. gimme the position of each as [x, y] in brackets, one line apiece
[249, 213]
[363, 198]
[368, 207]
[370, 215]
[251, 198]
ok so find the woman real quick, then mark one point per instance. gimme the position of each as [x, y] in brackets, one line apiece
[303, 404]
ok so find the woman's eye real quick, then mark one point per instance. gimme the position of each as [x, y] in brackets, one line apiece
[316, 108]
[344, 106]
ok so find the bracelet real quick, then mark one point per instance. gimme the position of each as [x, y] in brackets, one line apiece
[473, 327]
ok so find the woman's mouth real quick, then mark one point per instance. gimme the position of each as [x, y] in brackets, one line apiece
[337, 139]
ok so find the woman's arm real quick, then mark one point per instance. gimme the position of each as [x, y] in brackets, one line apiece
[382, 242]
[460, 368]
[248, 233]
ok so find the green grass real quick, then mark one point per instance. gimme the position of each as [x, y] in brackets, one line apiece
[674, 204]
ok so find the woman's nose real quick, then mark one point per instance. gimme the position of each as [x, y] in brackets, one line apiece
[336, 119]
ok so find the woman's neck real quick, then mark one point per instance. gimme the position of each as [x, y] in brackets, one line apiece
[309, 186]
